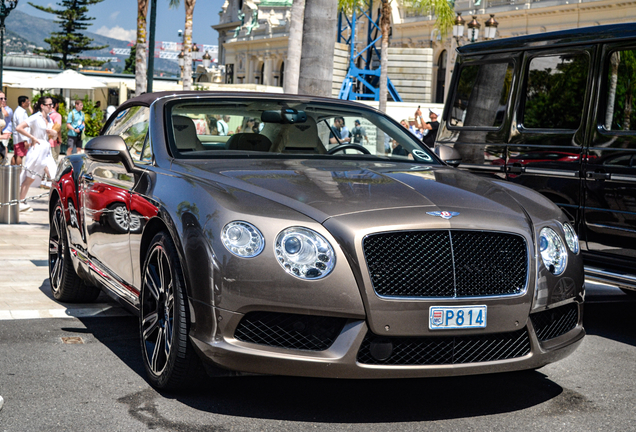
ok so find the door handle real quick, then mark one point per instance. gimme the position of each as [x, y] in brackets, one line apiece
[515, 169]
[597, 175]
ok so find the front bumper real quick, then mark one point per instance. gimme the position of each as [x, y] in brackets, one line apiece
[344, 358]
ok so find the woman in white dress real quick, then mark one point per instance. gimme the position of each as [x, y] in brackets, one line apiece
[38, 129]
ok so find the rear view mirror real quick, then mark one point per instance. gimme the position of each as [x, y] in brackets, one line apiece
[284, 116]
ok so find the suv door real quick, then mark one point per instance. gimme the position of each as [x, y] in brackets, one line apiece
[547, 137]
[610, 173]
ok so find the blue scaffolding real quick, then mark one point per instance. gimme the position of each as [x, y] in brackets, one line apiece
[362, 82]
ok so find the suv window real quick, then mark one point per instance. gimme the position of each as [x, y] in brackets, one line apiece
[621, 90]
[555, 92]
[481, 95]
[132, 126]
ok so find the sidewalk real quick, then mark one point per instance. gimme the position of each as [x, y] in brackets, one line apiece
[25, 292]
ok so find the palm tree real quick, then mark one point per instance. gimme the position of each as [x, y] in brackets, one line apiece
[294, 47]
[319, 38]
[187, 41]
[140, 55]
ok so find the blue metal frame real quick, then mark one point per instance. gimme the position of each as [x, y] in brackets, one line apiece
[367, 77]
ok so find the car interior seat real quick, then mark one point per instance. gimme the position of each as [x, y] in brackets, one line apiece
[300, 138]
[185, 134]
[249, 142]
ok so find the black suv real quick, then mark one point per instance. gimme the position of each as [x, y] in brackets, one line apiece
[556, 112]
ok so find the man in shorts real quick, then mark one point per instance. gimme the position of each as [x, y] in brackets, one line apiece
[20, 115]
[7, 115]
[75, 125]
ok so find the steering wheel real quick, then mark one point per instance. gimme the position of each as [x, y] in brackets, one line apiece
[349, 146]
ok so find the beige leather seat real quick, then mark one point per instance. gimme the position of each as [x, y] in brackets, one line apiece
[185, 134]
[299, 138]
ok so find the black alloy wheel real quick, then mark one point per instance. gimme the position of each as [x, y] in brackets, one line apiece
[66, 285]
[168, 355]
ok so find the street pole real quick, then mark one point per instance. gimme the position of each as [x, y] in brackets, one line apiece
[4, 12]
[151, 45]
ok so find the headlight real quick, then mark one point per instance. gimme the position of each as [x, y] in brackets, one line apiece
[304, 253]
[571, 238]
[242, 239]
[552, 251]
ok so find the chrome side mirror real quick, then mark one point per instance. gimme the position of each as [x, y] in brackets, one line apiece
[109, 148]
[448, 155]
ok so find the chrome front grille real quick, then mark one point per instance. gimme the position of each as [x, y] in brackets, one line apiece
[446, 263]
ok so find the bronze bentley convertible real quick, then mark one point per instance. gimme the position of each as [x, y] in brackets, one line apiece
[274, 234]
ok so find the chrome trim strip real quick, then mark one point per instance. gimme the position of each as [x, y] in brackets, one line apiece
[493, 168]
[605, 276]
[624, 178]
[611, 227]
[108, 280]
[552, 172]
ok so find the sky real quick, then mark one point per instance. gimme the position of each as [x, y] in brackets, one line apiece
[118, 19]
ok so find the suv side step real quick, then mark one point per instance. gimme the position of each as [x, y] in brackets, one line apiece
[624, 281]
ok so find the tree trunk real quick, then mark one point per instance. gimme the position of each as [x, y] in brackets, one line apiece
[385, 27]
[187, 45]
[294, 47]
[140, 57]
[319, 41]
[629, 106]
[611, 94]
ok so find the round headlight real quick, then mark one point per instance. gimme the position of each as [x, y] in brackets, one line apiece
[304, 253]
[552, 251]
[242, 239]
[571, 238]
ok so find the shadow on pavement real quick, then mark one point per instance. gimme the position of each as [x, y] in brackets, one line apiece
[330, 400]
[612, 319]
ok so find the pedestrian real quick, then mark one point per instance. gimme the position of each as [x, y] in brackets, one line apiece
[75, 125]
[342, 133]
[37, 129]
[397, 149]
[7, 115]
[359, 133]
[20, 115]
[222, 125]
[411, 128]
[432, 127]
[56, 118]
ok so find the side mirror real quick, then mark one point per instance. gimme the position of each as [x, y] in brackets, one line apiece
[448, 155]
[109, 148]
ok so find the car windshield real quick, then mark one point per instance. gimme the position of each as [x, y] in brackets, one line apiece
[207, 129]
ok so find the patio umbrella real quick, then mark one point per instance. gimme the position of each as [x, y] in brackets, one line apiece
[69, 79]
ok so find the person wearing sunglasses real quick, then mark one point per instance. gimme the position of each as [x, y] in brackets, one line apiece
[38, 129]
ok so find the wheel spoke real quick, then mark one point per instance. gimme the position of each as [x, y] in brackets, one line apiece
[150, 323]
[56, 273]
[154, 362]
[53, 246]
[153, 281]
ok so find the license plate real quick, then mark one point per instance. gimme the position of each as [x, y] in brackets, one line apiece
[457, 317]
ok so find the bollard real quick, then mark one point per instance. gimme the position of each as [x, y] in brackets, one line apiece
[9, 191]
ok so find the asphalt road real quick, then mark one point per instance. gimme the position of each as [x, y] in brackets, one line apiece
[100, 385]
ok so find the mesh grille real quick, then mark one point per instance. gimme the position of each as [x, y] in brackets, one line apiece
[555, 322]
[446, 263]
[446, 350]
[305, 332]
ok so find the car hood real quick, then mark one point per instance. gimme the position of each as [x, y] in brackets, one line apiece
[323, 189]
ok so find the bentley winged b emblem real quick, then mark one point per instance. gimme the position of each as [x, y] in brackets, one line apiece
[443, 214]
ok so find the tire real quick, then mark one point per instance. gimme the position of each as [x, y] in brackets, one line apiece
[168, 355]
[66, 285]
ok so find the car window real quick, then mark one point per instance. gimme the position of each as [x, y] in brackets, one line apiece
[481, 95]
[132, 125]
[555, 91]
[212, 129]
[620, 114]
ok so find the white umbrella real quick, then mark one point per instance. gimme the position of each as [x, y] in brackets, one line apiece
[69, 79]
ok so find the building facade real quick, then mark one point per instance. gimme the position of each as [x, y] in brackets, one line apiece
[253, 37]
